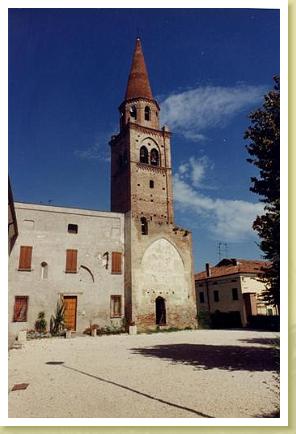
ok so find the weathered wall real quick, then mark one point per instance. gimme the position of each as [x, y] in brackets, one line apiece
[161, 266]
[45, 228]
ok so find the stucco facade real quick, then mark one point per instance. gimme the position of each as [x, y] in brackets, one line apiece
[45, 229]
[232, 285]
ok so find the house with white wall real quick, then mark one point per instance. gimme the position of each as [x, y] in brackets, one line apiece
[233, 286]
[66, 253]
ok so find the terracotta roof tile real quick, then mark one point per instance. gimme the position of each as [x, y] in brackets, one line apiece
[242, 266]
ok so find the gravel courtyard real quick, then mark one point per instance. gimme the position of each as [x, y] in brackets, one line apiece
[196, 374]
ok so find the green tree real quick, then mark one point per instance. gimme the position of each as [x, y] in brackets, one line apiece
[264, 150]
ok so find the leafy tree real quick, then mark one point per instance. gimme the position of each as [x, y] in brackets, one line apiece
[264, 149]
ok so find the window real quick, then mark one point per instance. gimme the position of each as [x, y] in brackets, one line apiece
[154, 157]
[151, 184]
[115, 306]
[71, 261]
[144, 155]
[147, 113]
[116, 262]
[44, 270]
[72, 229]
[25, 258]
[144, 226]
[216, 295]
[201, 297]
[20, 309]
[234, 294]
[133, 112]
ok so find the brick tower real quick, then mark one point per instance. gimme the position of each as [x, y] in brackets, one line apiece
[159, 287]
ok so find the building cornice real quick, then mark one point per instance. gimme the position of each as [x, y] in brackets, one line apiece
[151, 131]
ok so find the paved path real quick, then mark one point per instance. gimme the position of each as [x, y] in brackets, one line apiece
[196, 374]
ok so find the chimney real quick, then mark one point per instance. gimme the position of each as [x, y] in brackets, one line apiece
[208, 270]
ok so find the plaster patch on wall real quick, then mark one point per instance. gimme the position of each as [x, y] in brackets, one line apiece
[162, 268]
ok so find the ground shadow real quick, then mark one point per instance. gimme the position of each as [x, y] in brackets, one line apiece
[263, 341]
[228, 357]
[275, 413]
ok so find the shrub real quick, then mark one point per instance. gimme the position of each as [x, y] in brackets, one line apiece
[204, 320]
[41, 323]
[57, 321]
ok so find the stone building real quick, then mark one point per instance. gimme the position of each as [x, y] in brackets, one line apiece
[233, 286]
[132, 263]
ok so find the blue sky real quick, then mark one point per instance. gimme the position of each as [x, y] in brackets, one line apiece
[208, 68]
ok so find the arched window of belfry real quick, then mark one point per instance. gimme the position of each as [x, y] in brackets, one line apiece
[144, 226]
[154, 157]
[144, 155]
[133, 111]
[44, 270]
[147, 113]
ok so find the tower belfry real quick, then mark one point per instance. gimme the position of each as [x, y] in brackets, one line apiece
[141, 187]
[141, 154]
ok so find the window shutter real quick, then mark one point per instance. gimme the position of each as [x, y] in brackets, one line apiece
[116, 262]
[25, 258]
[71, 261]
[20, 309]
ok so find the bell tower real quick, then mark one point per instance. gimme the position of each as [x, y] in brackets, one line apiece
[141, 155]
[159, 285]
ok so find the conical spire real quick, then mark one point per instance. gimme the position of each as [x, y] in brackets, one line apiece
[138, 82]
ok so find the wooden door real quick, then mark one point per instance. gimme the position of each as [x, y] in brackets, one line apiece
[70, 312]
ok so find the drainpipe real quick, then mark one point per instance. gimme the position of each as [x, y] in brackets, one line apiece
[208, 274]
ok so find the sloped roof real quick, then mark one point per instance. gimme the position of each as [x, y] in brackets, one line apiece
[233, 266]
